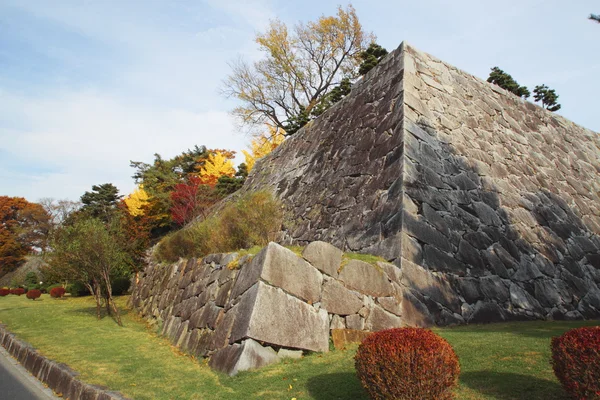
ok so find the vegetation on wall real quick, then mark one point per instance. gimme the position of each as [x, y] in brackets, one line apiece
[253, 219]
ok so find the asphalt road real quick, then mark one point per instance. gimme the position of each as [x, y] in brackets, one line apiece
[18, 384]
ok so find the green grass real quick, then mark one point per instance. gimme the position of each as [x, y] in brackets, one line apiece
[499, 361]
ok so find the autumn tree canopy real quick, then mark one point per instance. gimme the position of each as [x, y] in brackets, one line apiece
[23, 227]
[301, 65]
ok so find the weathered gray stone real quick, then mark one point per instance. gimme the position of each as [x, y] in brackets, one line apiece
[242, 357]
[438, 260]
[379, 319]
[365, 278]
[485, 312]
[355, 322]
[414, 312]
[268, 314]
[337, 322]
[282, 268]
[323, 256]
[527, 271]
[494, 288]
[421, 280]
[336, 299]
[521, 299]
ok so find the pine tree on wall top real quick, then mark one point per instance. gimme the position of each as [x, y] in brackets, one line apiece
[547, 96]
[595, 17]
[505, 81]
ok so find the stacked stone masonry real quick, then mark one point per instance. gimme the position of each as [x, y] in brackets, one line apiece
[486, 206]
[488, 203]
[245, 312]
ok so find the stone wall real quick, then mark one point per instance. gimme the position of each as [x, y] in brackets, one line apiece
[247, 311]
[490, 200]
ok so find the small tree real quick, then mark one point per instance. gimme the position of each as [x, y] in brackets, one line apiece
[90, 251]
[595, 17]
[547, 96]
[505, 81]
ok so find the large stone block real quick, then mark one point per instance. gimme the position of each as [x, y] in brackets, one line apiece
[280, 267]
[270, 315]
[325, 257]
[242, 357]
[336, 299]
[366, 278]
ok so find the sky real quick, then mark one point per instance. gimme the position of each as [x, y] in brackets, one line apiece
[88, 85]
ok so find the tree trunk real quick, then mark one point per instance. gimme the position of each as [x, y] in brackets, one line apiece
[110, 302]
[94, 292]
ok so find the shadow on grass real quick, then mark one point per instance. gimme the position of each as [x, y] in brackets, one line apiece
[508, 386]
[339, 386]
[535, 329]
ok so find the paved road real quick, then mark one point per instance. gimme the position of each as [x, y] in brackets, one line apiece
[18, 384]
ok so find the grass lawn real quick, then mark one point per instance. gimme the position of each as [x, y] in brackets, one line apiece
[498, 361]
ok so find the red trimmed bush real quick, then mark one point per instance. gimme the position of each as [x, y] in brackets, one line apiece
[4, 292]
[407, 363]
[57, 292]
[576, 362]
[33, 294]
[18, 291]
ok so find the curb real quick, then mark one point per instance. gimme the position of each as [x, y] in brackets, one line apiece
[59, 377]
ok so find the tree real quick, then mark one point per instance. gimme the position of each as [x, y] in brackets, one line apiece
[23, 227]
[90, 251]
[192, 199]
[300, 67]
[547, 96]
[595, 17]
[159, 180]
[227, 185]
[371, 57]
[59, 210]
[262, 145]
[505, 81]
[101, 202]
[137, 201]
[216, 165]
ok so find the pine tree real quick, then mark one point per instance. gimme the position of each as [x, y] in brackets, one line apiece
[505, 81]
[547, 96]
[595, 17]
[371, 57]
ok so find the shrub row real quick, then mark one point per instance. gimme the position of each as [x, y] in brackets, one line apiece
[254, 219]
[415, 363]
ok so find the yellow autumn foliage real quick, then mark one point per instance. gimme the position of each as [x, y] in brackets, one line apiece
[216, 165]
[263, 145]
[136, 201]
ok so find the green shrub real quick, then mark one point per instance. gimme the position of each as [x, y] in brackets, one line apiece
[77, 289]
[253, 220]
[576, 362]
[407, 363]
[120, 285]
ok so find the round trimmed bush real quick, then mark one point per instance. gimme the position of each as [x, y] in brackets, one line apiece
[57, 292]
[4, 292]
[18, 291]
[33, 294]
[576, 362]
[407, 363]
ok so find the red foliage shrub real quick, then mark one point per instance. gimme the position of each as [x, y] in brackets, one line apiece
[57, 292]
[407, 363]
[18, 291]
[4, 292]
[33, 294]
[576, 362]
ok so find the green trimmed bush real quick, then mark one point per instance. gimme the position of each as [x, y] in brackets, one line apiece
[77, 289]
[407, 363]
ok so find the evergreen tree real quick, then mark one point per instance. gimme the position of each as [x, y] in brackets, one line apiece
[505, 81]
[229, 184]
[371, 57]
[595, 17]
[101, 202]
[547, 96]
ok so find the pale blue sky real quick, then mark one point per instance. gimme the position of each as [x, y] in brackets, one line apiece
[87, 85]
